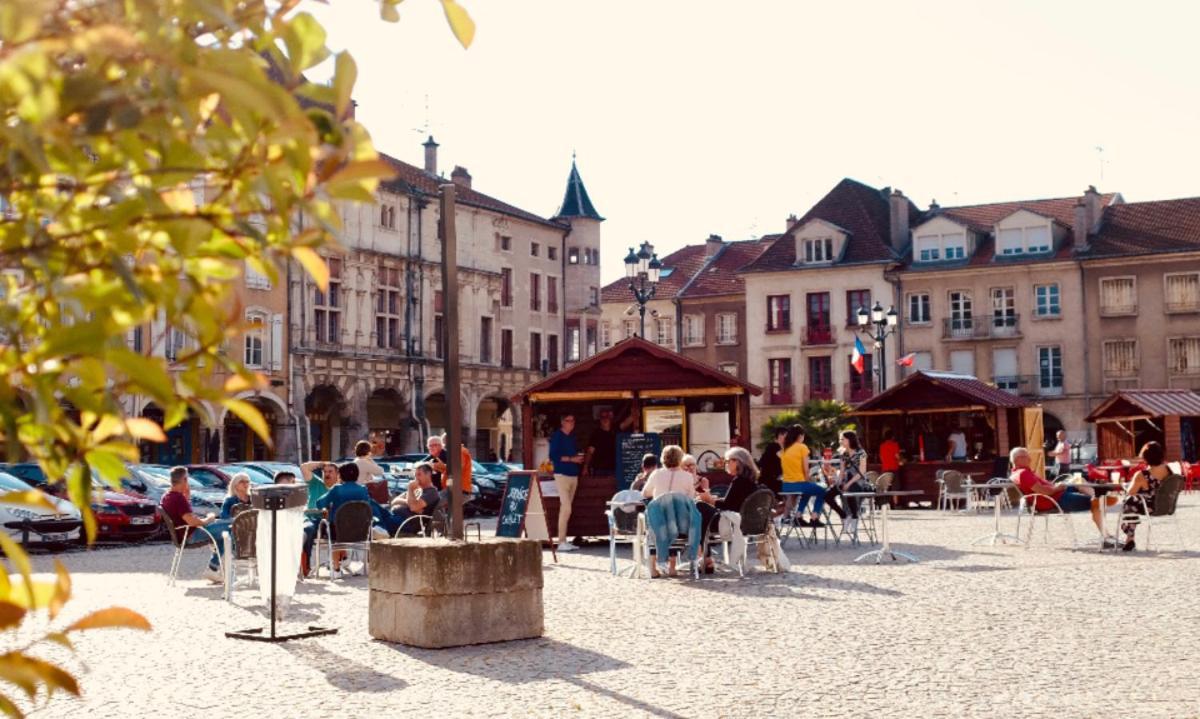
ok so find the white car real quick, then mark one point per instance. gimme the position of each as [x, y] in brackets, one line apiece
[37, 525]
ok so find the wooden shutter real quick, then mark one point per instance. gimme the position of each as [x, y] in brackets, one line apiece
[1035, 438]
[276, 346]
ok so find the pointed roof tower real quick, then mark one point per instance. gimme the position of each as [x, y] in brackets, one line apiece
[576, 202]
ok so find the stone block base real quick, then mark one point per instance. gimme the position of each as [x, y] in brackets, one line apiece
[435, 594]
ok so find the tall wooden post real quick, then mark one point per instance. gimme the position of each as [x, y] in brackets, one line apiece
[452, 383]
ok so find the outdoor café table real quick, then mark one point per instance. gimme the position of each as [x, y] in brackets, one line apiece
[997, 534]
[793, 529]
[885, 546]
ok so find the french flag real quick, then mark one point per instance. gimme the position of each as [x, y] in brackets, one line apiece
[856, 359]
[907, 360]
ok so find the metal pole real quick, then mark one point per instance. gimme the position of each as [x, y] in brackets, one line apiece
[274, 567]
[642, 313]
[452, 384]
[882, 361]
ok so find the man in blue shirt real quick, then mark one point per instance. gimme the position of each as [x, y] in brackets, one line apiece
[348, 490]
[567, 458]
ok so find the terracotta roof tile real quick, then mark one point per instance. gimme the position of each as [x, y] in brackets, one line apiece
[682, 263]
[410, 177]
[983, 218]
[719, 276]
[862, 210]
[1137, 228]
[1154, 402]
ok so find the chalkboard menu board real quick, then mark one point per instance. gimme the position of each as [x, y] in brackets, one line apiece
[521, 509]
[513, 505]
[630, 448]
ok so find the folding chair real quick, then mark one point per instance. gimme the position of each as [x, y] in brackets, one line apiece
[1165, 501]
[244, 552]
[350, 530]
[179, 537]
[1027, 507]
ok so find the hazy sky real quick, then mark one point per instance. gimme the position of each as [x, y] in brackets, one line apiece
[694, 117]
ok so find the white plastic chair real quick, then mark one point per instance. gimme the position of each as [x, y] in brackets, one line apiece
[622, 514]
[953, 489]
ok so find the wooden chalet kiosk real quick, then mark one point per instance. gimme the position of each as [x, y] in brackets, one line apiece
[1130, 418]
[926, 407]
[656, 396]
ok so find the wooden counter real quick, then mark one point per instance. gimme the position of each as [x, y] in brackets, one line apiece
[923, 476]
[587, 511]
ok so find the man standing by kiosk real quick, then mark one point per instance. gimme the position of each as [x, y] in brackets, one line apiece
[602, 447]
[567, 459]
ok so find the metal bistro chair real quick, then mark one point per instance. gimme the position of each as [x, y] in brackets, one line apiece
[1027, 507]
[179, 537]
[349, 529]
[1165, 501]
[646, 542]
[756, 523]
[622, 514]
[952, 489]
[244, 552]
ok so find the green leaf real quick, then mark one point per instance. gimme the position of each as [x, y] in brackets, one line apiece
[112, 617]
[305, 41]
[21, 21]
[249, 414]
[345, 74]
[460, 22]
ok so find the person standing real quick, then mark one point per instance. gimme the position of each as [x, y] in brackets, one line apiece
[368, 469]
[889, 452]
[567, 460]
[437, 457]
[958, 446]
[1061, 453]
[602, 447]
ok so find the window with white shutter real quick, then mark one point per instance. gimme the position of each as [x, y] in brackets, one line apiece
[1183, 292]
[1120, 358]
[1183, 355]
[1118, 296]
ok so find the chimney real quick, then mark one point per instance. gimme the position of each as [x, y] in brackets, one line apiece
[1082, 227]
[898, 221]
[934, 207]
[713, 245]
[792, 221]
[431, 156]
[1091, 199]
[461, 177]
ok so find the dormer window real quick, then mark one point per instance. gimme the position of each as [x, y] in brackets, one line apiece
[1012, 241]
[818, 249]
[934, 247]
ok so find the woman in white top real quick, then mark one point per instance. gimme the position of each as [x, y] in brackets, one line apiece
[671, 477]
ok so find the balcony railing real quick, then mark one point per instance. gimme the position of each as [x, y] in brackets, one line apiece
[1181, 307]
[817, 335]
[1048, 385]
[1017, 384]
[981, 328]
[818, 391]
[855, 393]
[779, 397]
[1118, 310]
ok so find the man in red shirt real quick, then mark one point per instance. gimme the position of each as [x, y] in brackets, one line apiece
[889, 452]
[178, 506]
[1068, 498]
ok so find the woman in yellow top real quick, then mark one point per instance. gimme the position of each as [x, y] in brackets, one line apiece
[795, 478]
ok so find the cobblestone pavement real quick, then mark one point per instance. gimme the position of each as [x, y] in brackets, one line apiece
[969, 631]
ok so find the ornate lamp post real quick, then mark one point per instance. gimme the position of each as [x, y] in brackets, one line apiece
[877, 326]
[642, 268]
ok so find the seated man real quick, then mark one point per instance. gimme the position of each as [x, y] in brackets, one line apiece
[318, 485]
[347, 490]
[421, 498]
[178, 506]
[1070, 499]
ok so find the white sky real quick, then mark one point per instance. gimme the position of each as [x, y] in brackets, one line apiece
[692, 116]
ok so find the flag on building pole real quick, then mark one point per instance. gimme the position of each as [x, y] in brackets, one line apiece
[856, 359]
[907, 360]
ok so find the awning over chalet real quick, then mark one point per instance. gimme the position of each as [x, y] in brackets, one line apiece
[1146, 404]
[926, 391]
[631, 366]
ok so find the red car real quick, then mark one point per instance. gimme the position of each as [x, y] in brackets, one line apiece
[119, 516]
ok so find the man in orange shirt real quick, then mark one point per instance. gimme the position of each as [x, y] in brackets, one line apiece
[889, 452]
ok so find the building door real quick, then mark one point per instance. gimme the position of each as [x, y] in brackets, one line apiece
[1004, 311]
[820, 378]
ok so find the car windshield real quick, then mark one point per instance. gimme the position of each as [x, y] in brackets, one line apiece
[161, 477]
[10, 483]
[207, 478]
[257, 476]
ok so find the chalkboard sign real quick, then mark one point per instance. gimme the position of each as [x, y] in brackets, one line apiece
[522, 496]
[630, 448]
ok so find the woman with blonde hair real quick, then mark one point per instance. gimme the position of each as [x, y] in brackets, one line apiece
[671, 511]
[237, 493]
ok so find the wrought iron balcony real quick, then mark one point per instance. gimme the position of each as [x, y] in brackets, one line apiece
[981, 328]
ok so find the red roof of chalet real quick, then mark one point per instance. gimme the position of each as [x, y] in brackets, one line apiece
[930, 390]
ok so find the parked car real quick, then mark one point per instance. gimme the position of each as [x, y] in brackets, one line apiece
[119, 516]
[496, 468]
[270, 469]
[156, 479]
[38, 525]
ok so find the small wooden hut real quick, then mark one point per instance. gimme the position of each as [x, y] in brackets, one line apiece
[1130, 418]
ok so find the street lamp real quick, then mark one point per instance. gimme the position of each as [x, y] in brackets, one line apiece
[877, 326]
[643, 270]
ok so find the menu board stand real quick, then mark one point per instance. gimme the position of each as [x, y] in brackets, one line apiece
[522, 512]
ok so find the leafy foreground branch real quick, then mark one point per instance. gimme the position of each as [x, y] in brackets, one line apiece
[151, 151]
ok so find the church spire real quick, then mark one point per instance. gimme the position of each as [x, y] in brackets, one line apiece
[576, 202]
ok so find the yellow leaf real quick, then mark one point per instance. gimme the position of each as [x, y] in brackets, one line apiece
[364, 170]
[10, 614]
[27, 672]
[9, 708]
[388, 12]
[109, 425]
[144, 428]
[241, 383]
[249, 414]
[113, 617]
[28, 498]
[314, 264]
[62, 589]
[345, 73]
[20, 560]
[460, 22]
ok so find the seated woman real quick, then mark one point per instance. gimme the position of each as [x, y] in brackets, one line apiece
[238, 493]
[1143, 488]
[740, 464]
[670, 479]
[796, 481]
[851, 478]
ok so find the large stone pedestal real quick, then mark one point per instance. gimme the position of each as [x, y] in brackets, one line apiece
[434, 593]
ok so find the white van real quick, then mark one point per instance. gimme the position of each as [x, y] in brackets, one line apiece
[37, 525]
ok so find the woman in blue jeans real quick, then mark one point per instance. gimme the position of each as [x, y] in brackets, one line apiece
[795, 477]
